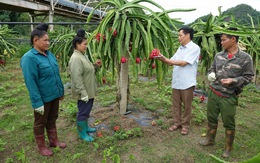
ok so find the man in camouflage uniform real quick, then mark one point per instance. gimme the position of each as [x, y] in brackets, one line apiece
[230, 71]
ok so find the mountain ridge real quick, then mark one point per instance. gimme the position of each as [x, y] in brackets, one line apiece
[240, 12]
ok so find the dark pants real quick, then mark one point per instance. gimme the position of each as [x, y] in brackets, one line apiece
[48, 119]
[84, 109]
[182, 118]
[221, 105]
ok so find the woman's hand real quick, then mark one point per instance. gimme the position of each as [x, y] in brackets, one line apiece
[61, 98]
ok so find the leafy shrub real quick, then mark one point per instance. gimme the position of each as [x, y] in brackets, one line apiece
[2, 143]
[71, 110]
[123, 134]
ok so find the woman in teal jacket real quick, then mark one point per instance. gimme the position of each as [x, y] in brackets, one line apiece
[42, 78]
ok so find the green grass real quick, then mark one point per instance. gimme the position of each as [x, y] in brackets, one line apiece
[134, 143]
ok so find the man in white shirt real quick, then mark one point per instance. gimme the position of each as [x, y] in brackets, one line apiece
[185, 62]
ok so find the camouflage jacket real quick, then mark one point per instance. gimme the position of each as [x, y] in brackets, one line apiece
[239, 68]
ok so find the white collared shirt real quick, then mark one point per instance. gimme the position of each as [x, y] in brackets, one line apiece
[185, 77]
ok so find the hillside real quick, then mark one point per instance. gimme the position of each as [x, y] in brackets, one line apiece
[236, 12]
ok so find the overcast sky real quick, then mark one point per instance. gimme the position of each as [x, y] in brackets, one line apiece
[203, 7]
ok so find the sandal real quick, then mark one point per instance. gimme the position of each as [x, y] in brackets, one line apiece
[174, 128]
[184, 131]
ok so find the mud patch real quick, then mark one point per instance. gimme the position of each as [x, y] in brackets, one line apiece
[105, 118]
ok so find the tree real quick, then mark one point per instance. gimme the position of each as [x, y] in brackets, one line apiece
[208, 38]
[251, 43]
[7, 49]
[130, 31]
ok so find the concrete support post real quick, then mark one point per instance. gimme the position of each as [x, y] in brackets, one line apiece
[51, 20]
[32, 20]
[51, 13]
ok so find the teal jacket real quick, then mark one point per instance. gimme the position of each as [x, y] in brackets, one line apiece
[42, 77]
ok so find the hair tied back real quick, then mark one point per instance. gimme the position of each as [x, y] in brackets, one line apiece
[81, 32]
[42, 27]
